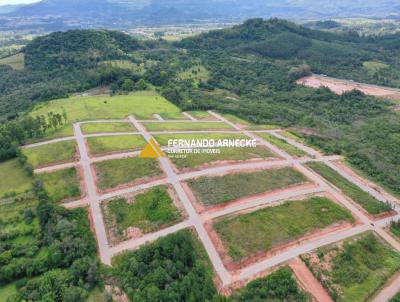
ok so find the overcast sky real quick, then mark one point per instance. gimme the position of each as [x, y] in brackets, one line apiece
[4, 2]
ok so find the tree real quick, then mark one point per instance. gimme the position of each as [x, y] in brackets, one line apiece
[128, 85]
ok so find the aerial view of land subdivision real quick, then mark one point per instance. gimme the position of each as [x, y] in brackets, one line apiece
[200, 151]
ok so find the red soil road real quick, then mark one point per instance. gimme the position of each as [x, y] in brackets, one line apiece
[341, 86]
[308, 281]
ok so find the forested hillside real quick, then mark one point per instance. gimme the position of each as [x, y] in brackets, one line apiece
[249, 70]
[62, 63]
[252, 71]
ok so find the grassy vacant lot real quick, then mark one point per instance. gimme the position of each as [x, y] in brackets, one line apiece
[112, 173]
[15, 61]
[140, 104]
[13, 177]
[221, 189]
[148, 211]
[281, 285]
[160, 126]
[61, 185]
[246, 124]
[51, 153]
[201, 115]
[195, 160]
[107, 144]
[162, 139]
[364, 199]
[266, 228]
[282, 144]
[107, 127]
[356, 270]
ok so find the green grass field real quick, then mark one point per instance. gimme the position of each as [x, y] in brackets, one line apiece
[51, 153]
[7, 291]
[148, 211]
[266, 228]
[364, 199]
[201, 115]
[90, 128]
[160, 126]
[107, 144]
[61, 185]
[140, 104]
[246, 124]
[282, 144]
[13, 177]
[195, 160]
[221, 189]
[358, 268]
[163, 139]
[112, 173]
[17, 61]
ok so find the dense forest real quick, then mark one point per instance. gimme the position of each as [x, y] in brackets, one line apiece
[251, 72]
[60, 264]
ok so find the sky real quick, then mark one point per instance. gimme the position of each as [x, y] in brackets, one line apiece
[4, 2]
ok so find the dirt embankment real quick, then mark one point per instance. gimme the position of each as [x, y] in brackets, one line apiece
[341, 86]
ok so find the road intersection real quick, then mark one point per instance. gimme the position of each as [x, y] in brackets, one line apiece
[196, 220]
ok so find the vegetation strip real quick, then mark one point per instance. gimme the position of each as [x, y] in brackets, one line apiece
[364, 199]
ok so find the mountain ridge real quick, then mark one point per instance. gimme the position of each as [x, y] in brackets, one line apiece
[125, 13]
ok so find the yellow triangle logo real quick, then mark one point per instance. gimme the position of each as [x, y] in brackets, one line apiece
[152, 150]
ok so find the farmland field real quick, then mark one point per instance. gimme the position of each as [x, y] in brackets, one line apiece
[112, 173]
[364, 199]
[266, 228]
[356, 269]
[105, 107]
[50, 153]
[221, 189]
[14, 179]
[107, 144]
[159, 126]
[90, 128]
[61, 185]
[148, 211]
[282, 144]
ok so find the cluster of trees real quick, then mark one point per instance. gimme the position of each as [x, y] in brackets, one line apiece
[174, 268]
[68, 268]
[170, 269]
[14, 133]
